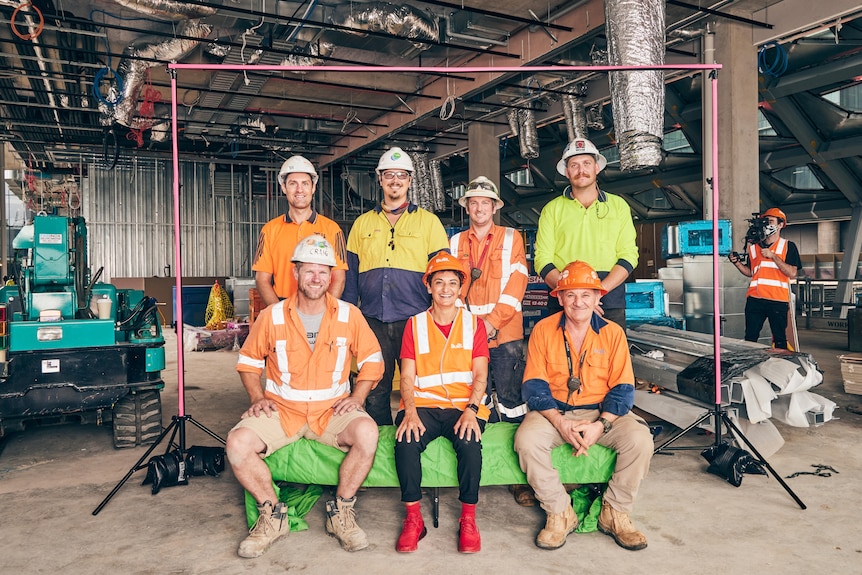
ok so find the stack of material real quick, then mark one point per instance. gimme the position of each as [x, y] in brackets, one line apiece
[757, 382]
[851, 371]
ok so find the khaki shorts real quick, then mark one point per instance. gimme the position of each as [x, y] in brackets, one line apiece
[271, 432]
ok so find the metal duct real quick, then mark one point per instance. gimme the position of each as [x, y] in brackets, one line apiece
[576, 116]
[168, 9]
[635, 30]
[404, 21]
[528, 137]
[420, 191]
[438, 194]
[512, 116]
[137, 59]
[311, 55]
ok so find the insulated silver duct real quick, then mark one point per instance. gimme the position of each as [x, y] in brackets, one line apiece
[576, 116]
[512, 116]
[528, 136]
[137, 59]
[313, 54]
[635, 30]
[438, 194]
[168, 9]
[420, 192]
[404, 21]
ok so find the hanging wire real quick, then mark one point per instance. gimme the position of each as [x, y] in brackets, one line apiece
[778, 66]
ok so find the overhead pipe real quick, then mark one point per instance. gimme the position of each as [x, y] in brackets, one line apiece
[438, 193]
[403, 21]
[528, 136]
[576, 116]
[168, 9]
[635, 31]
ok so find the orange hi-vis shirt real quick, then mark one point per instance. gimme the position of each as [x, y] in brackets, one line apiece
[496, 296]
[444, 365]
[767, 281]
[279, 237]
[304, 383]
[606, 360]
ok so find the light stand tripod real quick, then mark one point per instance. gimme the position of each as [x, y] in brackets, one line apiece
[178, 421]
[718, 412]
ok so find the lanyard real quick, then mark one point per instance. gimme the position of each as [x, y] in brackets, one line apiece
[574, 383]
[477, 270]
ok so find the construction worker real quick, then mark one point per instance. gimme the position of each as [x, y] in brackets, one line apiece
[273, 270]
[579, 386]
[306, 344]
[387, 251]
[494, 256]
[444, 370]
[772, 262]
[588, 224]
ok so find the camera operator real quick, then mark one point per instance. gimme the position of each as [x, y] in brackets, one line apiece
[772, 262]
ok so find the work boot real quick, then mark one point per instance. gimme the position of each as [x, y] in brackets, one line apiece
[341, 524]
[271, 525]
[618, 525]
[524, 495]
[469, 540]
[557, 528]
[412, 531]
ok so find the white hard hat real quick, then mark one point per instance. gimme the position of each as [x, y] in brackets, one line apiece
[481, 187]
[314, 249]
[577, 147]
[395, 159]
[297, 164]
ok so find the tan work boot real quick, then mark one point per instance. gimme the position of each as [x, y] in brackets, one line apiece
[618, 525]
[557, 528]
[271, 525]
[341, 524]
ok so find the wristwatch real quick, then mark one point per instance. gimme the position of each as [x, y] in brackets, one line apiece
[606, 424]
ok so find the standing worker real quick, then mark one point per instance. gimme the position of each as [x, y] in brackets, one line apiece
[444, 371]
[494, 256]
[305, 343]
[273, 269]
[590, 225]
[772, 263]
[387, 252]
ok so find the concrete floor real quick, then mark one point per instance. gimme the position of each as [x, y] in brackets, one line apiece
[52, 478]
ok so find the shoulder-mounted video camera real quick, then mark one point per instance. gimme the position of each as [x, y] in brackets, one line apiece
[759, 229]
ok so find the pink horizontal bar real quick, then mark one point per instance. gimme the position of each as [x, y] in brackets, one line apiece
[442, 69]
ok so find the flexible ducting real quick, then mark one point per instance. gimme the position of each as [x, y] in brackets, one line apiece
[311, 55]
[635, 30]
[512, 116]
[528, 136]
[438, 194]
[137, 59]
[168, 9]
[421, 187]
[404, 21]
[576, 116]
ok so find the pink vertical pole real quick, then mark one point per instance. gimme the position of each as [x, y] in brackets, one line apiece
[178, 314]
[716, 274]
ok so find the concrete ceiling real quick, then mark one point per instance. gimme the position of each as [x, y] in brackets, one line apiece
[343, 121]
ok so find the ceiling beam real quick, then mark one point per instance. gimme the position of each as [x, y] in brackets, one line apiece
[790, 17]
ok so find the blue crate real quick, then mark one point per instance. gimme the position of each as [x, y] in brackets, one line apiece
[695, 239]
[644, 300]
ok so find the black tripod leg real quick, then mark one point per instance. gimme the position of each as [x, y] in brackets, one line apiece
[762, 459]
[137, 466]
[697, 422]
[206, 430]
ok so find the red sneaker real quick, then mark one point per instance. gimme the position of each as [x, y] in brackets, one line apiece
[469, 540]
[413, 530]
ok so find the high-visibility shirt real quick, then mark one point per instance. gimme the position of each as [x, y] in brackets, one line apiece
[767, 281]
[444, 363]
[279, 237]
[603, 235]
[386, 263]
[602, 363]
[496, 296]
[304, 383]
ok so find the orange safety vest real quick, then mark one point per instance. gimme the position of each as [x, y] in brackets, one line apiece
[444, 366]
[767, 281]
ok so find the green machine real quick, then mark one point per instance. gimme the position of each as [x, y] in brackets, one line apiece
[74, 347]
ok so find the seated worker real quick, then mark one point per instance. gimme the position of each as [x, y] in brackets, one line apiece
[307, 394]
[444, 371]
[579, 387]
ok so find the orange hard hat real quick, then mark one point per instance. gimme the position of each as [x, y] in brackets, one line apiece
[444, 261]
[578, 275]
[775, 213]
